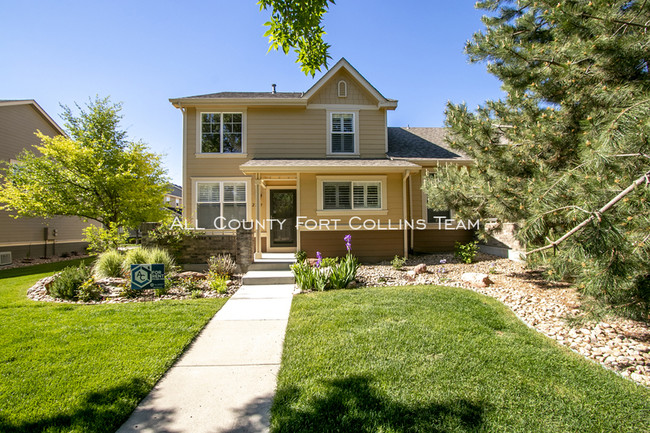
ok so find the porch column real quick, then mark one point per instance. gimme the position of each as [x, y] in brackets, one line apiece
[407, 174]
[258, 239]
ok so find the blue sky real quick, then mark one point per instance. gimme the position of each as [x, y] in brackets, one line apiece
[143, 52]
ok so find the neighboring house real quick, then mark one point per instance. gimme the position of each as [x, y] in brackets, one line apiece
[35, 237]
[323, 160]
[174, 199]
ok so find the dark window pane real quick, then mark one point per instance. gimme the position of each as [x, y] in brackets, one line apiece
[206, 214]
[232, 143]
[435, 216]
[210, 143]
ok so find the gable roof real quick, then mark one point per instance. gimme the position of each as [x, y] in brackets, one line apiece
[285, 98]
[38, 108]
[344, 64]
[421, 144]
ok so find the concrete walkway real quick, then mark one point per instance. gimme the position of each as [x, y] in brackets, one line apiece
[226, 380]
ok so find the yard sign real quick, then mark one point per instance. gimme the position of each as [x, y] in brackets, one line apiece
[147, 277]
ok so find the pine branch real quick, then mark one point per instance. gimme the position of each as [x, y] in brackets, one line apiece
[596, 215]
[614, 20]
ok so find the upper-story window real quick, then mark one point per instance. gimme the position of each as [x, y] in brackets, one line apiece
[221, 133]
[343, 133]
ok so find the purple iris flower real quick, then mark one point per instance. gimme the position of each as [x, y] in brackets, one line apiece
[319, 258]
[348, 242]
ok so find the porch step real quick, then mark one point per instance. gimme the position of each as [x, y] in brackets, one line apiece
[270, 266]
[261, 277]
[273, 262]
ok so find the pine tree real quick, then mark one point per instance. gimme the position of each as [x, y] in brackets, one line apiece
[565, 152]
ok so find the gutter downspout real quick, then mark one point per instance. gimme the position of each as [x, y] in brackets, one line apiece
[258, 238]
[411, 208]
[184, 171]
[404, 216]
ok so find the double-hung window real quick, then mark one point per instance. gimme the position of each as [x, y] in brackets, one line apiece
[351, 195]
[218, 203]
[222, 132]
[342, 133]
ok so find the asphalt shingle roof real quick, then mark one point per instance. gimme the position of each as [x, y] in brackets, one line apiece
[328, 162]
[421, 143]
[278, 95]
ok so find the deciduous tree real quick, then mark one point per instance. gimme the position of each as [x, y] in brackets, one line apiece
[94, 172]
[297, 24]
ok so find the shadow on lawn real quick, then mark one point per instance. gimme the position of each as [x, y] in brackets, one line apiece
[100, 411]
[352, 405]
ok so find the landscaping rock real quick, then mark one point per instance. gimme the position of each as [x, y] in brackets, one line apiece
[192, 275]
[476, 279]
[420, 269]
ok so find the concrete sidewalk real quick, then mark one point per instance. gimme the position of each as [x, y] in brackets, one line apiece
[226, 380]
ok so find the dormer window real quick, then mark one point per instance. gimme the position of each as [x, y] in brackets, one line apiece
[343, 134]
[343, 89]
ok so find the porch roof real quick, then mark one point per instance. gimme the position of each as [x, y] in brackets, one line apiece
[326, 165]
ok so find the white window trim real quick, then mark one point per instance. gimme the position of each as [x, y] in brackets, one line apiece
[199, 134]
[383, 210]
[195, 191]
[355, 116]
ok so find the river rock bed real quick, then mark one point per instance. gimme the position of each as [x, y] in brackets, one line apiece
[618, 344]
[113, 291]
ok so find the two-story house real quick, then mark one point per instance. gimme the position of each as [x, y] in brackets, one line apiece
[32, 237]
[306, 168]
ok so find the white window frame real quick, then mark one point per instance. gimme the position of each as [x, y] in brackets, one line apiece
[221, 180]
[355, 123]
[199, 136]
[383, 195]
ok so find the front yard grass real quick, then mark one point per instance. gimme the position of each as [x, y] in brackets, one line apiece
[84, 368]
[438, 359]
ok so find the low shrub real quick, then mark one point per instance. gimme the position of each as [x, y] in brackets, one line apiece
[300, 256]
[197, 293]
[160, 292]
[398, 262]
[222, 264]
[108, 264]
[89, 291]
[218, 283]
[160, 255]
[188, 285]
[141, 256]
[134, 256]
[67, 283]
[466, 252]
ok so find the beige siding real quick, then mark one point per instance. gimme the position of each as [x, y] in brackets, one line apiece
[309, 199]
[357, 94]
[435, 241]
[368, 246]
[372, 133]
[18, 123]
[287, 133]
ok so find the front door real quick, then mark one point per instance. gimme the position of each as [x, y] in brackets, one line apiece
[283, 216]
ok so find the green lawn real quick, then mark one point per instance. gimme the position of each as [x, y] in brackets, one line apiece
[84, 368]
[435, 359]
